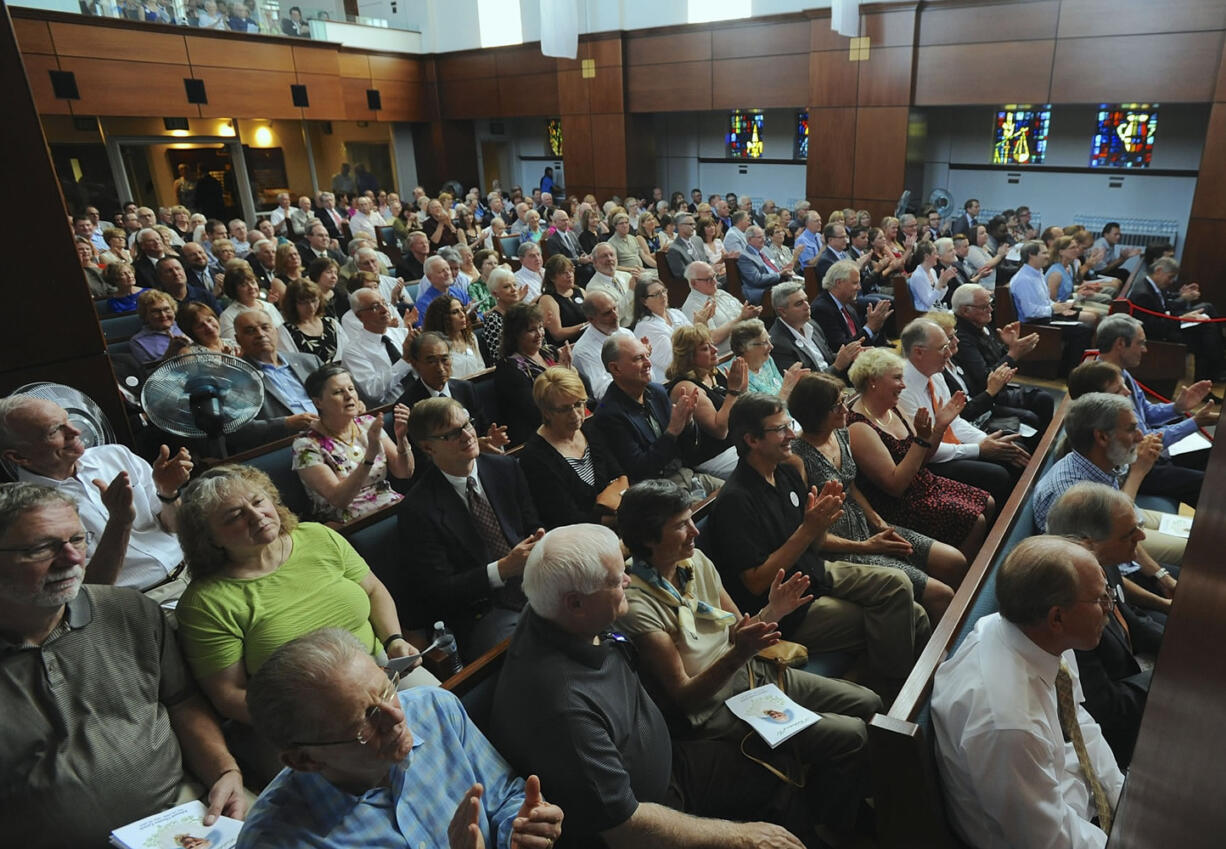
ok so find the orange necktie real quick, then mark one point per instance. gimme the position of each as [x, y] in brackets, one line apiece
[949, 435]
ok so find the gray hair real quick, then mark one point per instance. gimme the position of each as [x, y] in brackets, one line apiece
[356, 299]
[8, 406]
[943, 244]
[259, 243]
[692, 270]
[964, 296]
[744, 332]
[590, 306]
[1165, 263]
[611, 350]
[1115, 327]
[739, 216]
[917, 333]
[754, 231]
[839, 272]
[1036, 576]
[449, 254]
[432, 261]
[905, 219]
[1085, 511]
[1092, 412]
[363, 251]
[569, 559]
[499, 275]
[526, 247]
[281, 696]
[782, 292]
[17, 499]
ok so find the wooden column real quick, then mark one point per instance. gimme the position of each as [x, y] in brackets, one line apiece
[1203, 258]
[595, 126]
[859, 113]
[49, 330]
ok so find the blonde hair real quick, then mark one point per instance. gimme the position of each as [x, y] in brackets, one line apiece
[146, 300]
[870, 364]
[555, 381]
[686, 342]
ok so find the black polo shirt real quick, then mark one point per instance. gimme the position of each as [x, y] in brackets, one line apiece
[749, 521]
[576, 715]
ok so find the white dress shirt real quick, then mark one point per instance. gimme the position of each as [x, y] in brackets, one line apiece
[727, 308]
[916, 396]
[226, 320]
[804, 341]
[360, 223]
[660, 334]
[1011, 782]
[372, 370]
[618, 288]
[531, 279]
[586, 358]
[152, 553]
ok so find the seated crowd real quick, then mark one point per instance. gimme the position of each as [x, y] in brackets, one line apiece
[645, 461]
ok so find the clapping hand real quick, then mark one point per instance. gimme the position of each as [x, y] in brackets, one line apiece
[888, 542]
[374, 438]
[565, 357]
[824, 509]
[705, 313]
[847, 354]
[790, 378]
[999, 378]
[950, 410]
[785, 596]
[464, 830]
[877, 313]
[683, 411]
[495, 438]
[117, 498]
[538, 823]
[738, 374]
[748, 311]
[400, 421]
[171, 473]
[749, 636]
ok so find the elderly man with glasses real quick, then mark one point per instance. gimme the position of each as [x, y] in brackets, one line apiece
[101, 716]
[467, 528]
[376, 355]
[373, 766]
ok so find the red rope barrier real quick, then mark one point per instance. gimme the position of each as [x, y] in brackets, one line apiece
[1092, 354]
[1134, 308]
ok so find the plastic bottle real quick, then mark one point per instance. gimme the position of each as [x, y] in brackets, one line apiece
[447, 654]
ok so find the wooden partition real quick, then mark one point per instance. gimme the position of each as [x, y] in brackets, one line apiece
[906, 786]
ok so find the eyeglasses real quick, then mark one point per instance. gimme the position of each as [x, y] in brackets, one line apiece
[573, 407]
[452, 435]
[1105, 601]
[370, 718]
[377, 306]
[655, 294]
[758, 343]
[47, 549]
[785, 429]
[848, 400]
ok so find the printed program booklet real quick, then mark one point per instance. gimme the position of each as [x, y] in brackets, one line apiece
[181, 827]
[771, 713]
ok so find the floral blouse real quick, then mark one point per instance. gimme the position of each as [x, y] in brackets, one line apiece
[314, 448]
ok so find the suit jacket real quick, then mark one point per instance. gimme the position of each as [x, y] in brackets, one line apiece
[828, 313]
[978, 354]
[146, 272]
[681, 253]
[1143, 295]
[756, 278]
[555, 244]
[461, 390]
[331, 226]
[825, 259]
[262, 275]
[786, 351]
[963, 224]
[448, 558]
[734, 241]
[632, 440]
[308, 254]
[276, 405]
[564, 499]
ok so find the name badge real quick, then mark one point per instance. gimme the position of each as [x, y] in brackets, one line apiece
[795, 499]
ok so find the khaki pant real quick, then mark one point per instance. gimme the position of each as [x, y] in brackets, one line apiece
[1164, 548]
[870, 611]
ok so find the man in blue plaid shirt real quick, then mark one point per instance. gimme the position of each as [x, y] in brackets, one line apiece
[358, 775]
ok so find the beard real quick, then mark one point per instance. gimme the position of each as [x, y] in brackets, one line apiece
[1121, 454]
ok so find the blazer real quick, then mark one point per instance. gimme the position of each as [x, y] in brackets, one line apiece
[555, 244]
[825, 259]
[828, 313]
[786, 352]
[146, 272]
[308, 254]
[333, 230]
[561, 495]
[444, 554]
[262, 275]
[681, 253]
[756, 278]
[978, 354]
[1143, 295]
[632, 440]
[963, 224]
[276, 405]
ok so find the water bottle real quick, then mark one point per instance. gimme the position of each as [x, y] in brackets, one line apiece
[447, 654]
[697, 491]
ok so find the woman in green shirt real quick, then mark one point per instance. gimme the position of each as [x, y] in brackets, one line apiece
[260, 579]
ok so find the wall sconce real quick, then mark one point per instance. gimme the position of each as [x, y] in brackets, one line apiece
[263, 137]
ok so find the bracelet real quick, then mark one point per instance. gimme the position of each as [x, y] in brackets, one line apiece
[1161, 573]
[734, 392]
[171, 499]
[391, 638]
[224, 771]
[366, 462]
[922, 443]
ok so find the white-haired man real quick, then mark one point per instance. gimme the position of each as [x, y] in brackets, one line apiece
[619, 285]
[569, 702]
[377, 356]
[726, 310]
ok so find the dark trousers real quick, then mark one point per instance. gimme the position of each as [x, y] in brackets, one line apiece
[1169, 479]
[997, 479]
[1205, 343]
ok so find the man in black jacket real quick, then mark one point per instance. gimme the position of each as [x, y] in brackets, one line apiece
[1204, 341]
[798, 339]
[1115, 684]
[467, 529]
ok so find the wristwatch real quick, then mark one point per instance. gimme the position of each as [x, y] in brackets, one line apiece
[1162, 573]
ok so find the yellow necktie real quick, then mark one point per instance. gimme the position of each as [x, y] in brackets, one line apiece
[1067, 711]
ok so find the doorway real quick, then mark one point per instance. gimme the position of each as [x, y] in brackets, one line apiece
[85, 176]
[372, 165]
[495, 163]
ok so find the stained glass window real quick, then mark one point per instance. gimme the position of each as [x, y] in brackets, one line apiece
[553, 134]
[744, 134]
[1020, 135]
[1125, 135]
[802, 136]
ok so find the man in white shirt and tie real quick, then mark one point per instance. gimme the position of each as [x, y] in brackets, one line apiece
[564, 241]
[989, 461]
[618, 284]
[377, 355]
[1022, 761]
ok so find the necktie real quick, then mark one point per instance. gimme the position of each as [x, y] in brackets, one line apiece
[768, 262]
[851, 324]
[949, 435]
[1123, 623]
[393, 353]
[1066, 708]
[488, 527]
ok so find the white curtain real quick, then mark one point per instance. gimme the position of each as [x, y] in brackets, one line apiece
[560, 28]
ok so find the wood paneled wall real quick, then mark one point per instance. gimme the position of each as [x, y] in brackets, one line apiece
[597, 145]
[1203, 258]
[138, 70]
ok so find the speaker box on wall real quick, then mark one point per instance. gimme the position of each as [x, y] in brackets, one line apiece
[195, 90]
[64, 84]
[299, 94]
[373, 100]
